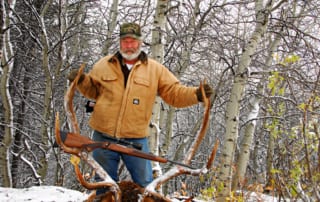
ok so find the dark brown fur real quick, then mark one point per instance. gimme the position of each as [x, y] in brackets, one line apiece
[130, 192]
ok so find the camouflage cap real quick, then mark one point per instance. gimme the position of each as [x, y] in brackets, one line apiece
[131, 30]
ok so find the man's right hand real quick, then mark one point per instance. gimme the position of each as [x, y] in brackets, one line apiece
[72, 75]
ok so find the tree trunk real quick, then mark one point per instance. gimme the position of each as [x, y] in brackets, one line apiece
[233, 105]
[18, 137]
[47, 102]
[244, 153]
[2, 11]
[112, 25]
[63, 60]
[7, 137]
[254, 108]
[157, 52]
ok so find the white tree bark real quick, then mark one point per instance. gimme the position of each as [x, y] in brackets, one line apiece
[112, 25]
[254, 108]
[49, 75]
[244, 153]
[157, 53]
[233, 105]
[7, 62]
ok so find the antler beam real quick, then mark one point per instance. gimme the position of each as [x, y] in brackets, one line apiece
[87, 157]
[179, 170]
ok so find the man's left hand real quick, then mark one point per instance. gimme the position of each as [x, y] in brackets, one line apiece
[207, 90]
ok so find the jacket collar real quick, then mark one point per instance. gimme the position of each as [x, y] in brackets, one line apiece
[143, 57]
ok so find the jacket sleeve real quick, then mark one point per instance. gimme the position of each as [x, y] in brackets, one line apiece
[89, 87]
[173, 92]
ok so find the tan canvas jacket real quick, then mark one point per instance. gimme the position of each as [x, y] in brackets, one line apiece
[125, 112]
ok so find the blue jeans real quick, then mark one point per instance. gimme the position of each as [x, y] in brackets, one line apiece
[139, 169]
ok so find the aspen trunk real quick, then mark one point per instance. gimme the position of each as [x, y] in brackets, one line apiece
[254, 108]
[244, 153]
[112, 25]
[47, 102]
[157, 52]
[233, 106]
[7, 137]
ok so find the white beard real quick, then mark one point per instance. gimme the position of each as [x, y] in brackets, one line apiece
[131, 56]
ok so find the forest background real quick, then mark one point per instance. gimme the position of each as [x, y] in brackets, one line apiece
[261, 57]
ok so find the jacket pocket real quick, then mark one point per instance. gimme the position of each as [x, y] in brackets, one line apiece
[111, 89]
[109, 77]
[142, 81]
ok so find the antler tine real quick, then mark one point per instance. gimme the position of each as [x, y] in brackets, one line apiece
[213, 154]
[204, 127]
[179, 170]
[90, 185]
[96, 185]
[72, 120]
[68, 104]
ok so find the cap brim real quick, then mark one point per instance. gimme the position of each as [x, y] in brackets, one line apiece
[130, 35]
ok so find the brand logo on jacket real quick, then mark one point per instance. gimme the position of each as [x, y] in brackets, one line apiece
[136, 101]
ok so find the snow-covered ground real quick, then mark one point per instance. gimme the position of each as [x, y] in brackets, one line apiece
[60, 194]
[41, 193]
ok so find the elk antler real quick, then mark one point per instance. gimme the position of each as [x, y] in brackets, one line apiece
[204, 127]
[87, 157]
[179, 170]
[68, 104]
[149, 192]
[213, 154]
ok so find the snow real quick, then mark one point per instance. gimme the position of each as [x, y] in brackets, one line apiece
[41, 193]
[61, 194]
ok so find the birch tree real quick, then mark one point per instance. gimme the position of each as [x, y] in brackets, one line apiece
[157, 53]
[1, 27]
[112, 22]
[277, 84]
[28, 100]
[232, 113]
[253, 114]
[7, 63]
[284, 149]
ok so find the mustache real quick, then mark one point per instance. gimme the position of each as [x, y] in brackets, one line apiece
[133, 50]
[134, 54]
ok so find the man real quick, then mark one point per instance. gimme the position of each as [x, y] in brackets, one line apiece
[124, 86]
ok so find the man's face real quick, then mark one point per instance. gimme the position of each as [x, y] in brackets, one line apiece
[130, 48]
